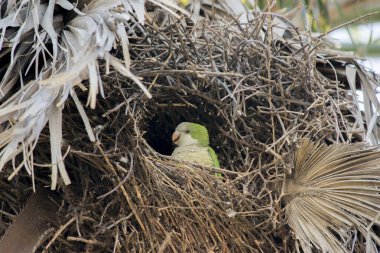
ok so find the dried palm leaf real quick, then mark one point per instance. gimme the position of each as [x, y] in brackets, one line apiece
[36, 39]
[333, 193]
[220, 9]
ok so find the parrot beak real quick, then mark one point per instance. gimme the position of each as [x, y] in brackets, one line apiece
[175, 137]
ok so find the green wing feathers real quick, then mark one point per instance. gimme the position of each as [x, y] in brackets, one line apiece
[215, 161]
[214, 157]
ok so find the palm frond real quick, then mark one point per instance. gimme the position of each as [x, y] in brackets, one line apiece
[333, 194]
[48, 58]
[221, 8]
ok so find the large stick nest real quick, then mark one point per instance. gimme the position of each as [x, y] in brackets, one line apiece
[256, 95]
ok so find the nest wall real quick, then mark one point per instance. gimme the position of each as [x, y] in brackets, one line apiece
[254, 93]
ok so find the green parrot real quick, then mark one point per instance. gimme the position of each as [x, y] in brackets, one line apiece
[192, 143]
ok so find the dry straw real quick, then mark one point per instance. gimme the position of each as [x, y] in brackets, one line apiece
[259, 87]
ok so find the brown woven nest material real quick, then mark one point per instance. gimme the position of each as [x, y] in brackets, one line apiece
[257, 96]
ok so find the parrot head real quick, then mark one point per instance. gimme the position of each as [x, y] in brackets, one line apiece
[188, 133]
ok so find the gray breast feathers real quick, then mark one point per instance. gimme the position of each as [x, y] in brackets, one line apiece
[193, 153]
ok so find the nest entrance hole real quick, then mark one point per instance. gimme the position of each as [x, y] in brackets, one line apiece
[163, 118]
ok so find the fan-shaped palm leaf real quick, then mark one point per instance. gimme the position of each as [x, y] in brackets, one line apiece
[333, 193]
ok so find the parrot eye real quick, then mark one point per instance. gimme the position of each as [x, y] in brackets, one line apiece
[187, 131]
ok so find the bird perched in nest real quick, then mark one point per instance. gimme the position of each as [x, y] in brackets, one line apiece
[193, 145]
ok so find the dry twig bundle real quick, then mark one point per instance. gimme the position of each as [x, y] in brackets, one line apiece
[258, 87]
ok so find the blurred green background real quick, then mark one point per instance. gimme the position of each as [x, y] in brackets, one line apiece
[362, 37]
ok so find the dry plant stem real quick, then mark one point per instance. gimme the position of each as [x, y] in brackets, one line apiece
[86, 241]
[350, 22]
[58, 233]
[132, 205]
[257, 90]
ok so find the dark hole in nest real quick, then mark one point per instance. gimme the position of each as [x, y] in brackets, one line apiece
[164, 116]
[168, 109]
